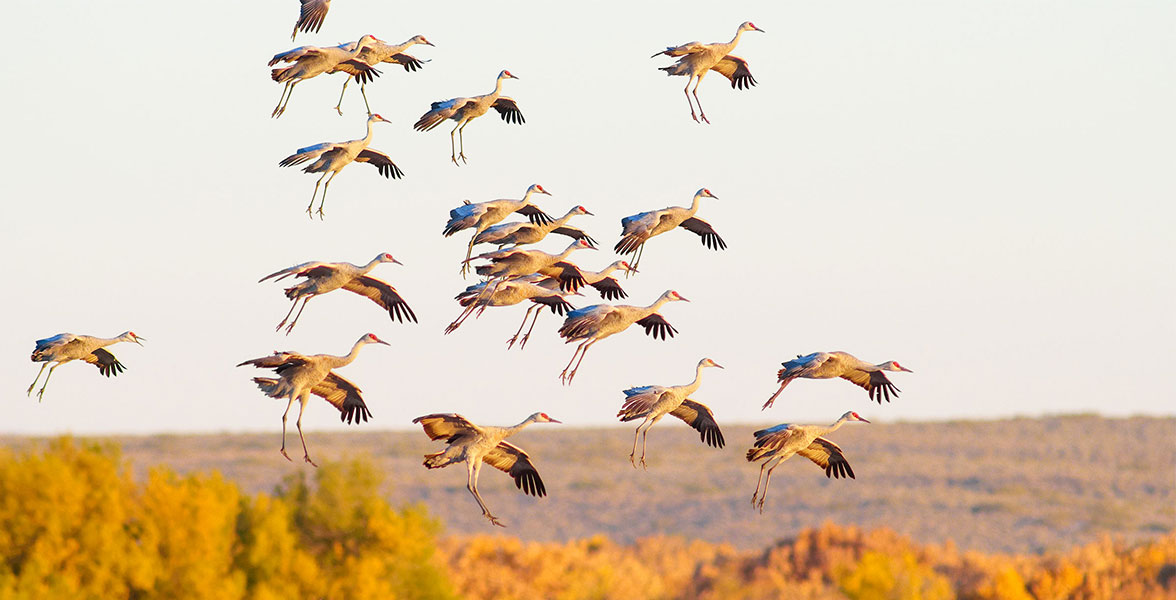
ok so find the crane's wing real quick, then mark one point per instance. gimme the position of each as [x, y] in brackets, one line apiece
[710, 239]
[684, 49]
[876, 384]
[60, 339]
[569, 276]
[295, 270]
[511, 459]
[438, 112]
[734, 68]
[447, 426]
[575, 234]
[635, 230]
[639, 401]
[702, 420]
[556, 303]
[343, 395]
[535, 215]
[610, 289]
[657, 326]
[509, 110]
[293, 54]
[383, 294]
[307, 154]
[107, 364]
[769, 441]
[361, 71]
[380, 161]
[409, 62]
[579, 322]
[279, 361]
[828, 456]
[310, 17]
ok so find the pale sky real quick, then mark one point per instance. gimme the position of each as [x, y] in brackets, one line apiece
[982, 191]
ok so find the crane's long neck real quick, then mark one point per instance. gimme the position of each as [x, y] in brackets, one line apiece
[729, 46]
[652, 308]
[694, 385]
[695, 203]
[834, 427]
[104, 342]
[367, 139]
[497, 88]
[560, 222]
[342, 361]
[509, 431]
[364, 270]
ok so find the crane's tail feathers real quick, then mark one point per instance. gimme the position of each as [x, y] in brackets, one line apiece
[270, 387]
[754, 454]
[436, 460]
[429, 120]
[675, 69]
[280, 74]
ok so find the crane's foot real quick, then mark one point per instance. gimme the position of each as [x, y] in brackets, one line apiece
[320, 212]
[644, 467]
[511, 341]
[523, 344]
[340, 110]
[310, 211]
[563, 376]
[761, 505]
[493, 519]
[454, 159]
[632, 460]
[768, 404]
[705, 119]
[30, 392]
[452, 327]
[694, 116]
[283, 451]
[461, 155]
[306, 457]
[753, 499]
[40, 393]
[289, 329]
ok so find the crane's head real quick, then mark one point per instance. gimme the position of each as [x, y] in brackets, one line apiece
[624, 264]
[580, 210]
[852, 416]
[581, 244]
[506, 75]
[893, 366]
[131, 337]
[537, 189]
[705, 193]
[386, 258]
[706, 362]
[376, 118]
[673, 296]
[372, 339]
[420, 39]
[749, 26]
[541, 417]
[367, 40]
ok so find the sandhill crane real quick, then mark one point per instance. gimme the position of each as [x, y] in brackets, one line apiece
[379, 52]
[511, 293]
[827, 365]
[482, 215]
[474, 444]
[777, 444]
[330, 158]
[652, 402]
[310, 16]
[698, 59]
[323, 277]
[505, 264]
[521, 233]
[66, 347]
[608, 287]
[594, 323]
[464, 110]
[300, 375]
[638, 228]
[312, 61]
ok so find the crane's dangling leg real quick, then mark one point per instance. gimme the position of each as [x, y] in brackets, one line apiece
[310, 207]
[636, 434]
[363, 92]
[783, 384]
[686, 90]
[637, 260]
[293, 305]
[511, 341]
[301, 408]
[644, 439]
[465, 264]
[484, 298]
[563, 375]
[572, 375]
[465, 314]
[461, 140]
[475, 466]
[453, 145]
[339, 106]
[282, 107]
[767, 481]
[46, 364]
[288, 405]
[278, 109]
[758, 481]
[291, 327]
[528, 335]
[701, 112]
[41, 392]
[323, 200]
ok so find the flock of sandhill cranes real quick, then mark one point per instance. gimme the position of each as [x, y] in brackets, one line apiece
[512, 275]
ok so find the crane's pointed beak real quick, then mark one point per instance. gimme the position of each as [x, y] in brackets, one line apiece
[906, 369]
[760, 30]
[139, 340]
[397, 262]
[863, 420]
[550, 420]
[379, 341]
[715, 364]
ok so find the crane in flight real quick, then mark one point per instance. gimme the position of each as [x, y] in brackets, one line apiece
[591, 324]
[379, 52]
[652, 402]
[466, 109]
[775, 445]
[474, 444]
[323, 277]
[829, 365]
[695, 60]
[312, 61]
[67, 347]
[637, 229]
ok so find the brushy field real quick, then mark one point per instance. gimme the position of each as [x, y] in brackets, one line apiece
[1012, 486]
